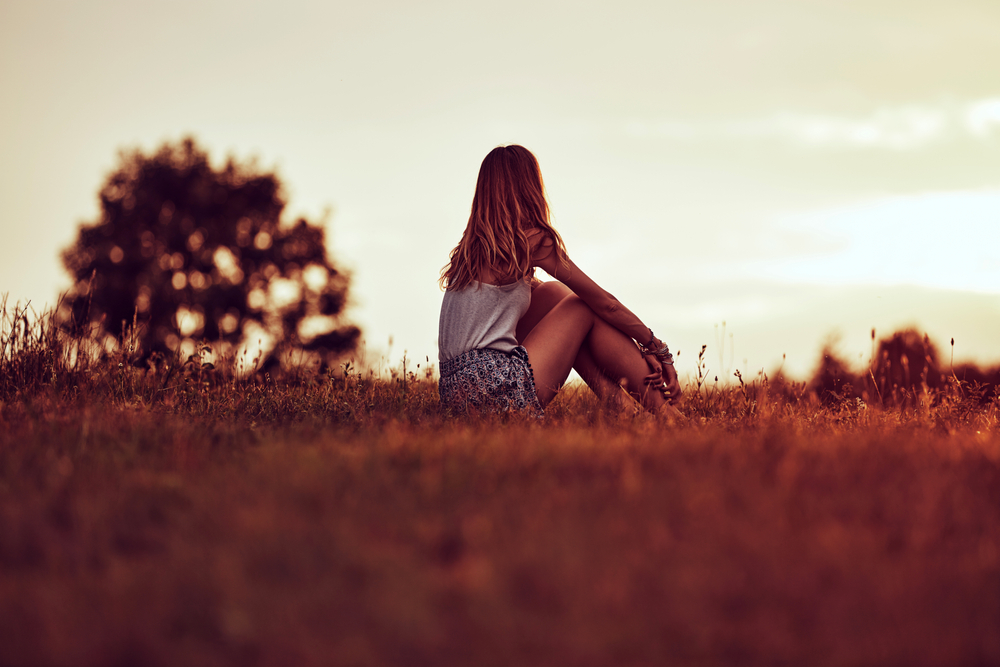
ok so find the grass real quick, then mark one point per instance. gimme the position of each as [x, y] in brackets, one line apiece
[177, 514]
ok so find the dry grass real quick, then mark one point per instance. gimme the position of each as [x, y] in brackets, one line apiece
[178, 515]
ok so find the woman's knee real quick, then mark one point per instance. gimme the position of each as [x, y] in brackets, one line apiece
[574, 306]
[552, 292]
[544, 298]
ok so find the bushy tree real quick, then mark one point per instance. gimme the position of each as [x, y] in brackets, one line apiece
[833, 378]
[905, 363]
[196, 253]
[906, 360]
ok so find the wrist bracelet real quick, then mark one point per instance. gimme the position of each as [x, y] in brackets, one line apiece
[652, 339]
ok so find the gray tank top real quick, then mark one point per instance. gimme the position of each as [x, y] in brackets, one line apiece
[481, 316]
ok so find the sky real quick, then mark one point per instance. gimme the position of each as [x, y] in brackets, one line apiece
[800, 170]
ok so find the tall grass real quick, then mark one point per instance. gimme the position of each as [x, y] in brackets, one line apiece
[41, 362]
[174, 511]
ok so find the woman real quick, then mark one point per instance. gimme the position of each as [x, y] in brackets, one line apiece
[508, 341]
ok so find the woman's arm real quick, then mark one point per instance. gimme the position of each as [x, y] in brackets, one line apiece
[611, 310]
[602, 302]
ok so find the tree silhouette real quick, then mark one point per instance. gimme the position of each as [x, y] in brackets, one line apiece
[906, 360]
[199, 254]
[833, 378]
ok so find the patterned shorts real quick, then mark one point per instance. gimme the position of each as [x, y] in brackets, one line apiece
[491, 381]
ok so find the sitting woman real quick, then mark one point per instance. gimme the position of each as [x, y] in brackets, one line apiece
[508, 341]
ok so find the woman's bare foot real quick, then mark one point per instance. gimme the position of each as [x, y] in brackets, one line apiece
[671, 414]
[625, 402]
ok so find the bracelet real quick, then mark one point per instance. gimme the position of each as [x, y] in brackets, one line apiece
[652, 338]
[662, 354]
[647, 348]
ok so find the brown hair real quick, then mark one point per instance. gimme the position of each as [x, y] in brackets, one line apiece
[509, 202]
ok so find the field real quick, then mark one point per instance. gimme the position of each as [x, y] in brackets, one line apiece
[174, 514]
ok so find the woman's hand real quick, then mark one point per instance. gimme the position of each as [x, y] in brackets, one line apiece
[671, 388]
[663, 377]
[655, 377]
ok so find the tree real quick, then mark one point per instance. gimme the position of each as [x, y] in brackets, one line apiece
[199, 254]
[906, 360]
[833, 379]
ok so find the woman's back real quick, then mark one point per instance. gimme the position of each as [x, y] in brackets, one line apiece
[481, 316]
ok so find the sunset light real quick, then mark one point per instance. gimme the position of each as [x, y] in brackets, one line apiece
[530, 332]
[780, 146]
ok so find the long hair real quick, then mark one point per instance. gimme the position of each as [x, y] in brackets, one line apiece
[509, 202]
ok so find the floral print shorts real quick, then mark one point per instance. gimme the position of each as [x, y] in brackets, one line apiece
[490, 381]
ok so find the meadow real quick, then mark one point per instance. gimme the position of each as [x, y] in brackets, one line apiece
[175, 512]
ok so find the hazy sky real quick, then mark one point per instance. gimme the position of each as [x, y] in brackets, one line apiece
[793, 168]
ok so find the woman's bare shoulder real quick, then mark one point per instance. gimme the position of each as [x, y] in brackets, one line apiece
[543, 253]
[540, 240]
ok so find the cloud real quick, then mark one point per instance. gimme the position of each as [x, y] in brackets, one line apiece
[983, 117]
[942, 240]
[894, 128]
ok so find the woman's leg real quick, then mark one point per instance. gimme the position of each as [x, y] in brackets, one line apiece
[543, 299]
[604, 387]
[569, 333]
